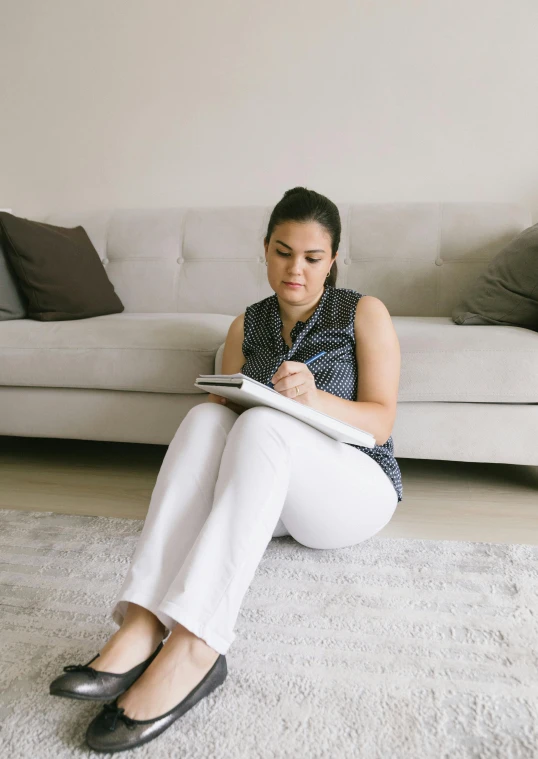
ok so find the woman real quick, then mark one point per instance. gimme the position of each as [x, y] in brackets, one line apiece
[230, 481]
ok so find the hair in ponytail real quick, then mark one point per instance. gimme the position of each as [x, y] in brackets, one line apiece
[303, 205]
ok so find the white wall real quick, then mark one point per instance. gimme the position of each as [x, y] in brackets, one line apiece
[143, 103]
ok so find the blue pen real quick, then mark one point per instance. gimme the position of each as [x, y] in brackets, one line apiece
[318, 355]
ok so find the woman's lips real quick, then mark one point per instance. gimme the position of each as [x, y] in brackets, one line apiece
[292, 284]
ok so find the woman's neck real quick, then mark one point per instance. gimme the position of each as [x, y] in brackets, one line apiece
[291, 314]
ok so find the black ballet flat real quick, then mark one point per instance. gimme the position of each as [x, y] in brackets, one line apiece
[112, 730]
[83, 682]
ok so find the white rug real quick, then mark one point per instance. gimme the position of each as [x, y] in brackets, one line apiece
[392, 648]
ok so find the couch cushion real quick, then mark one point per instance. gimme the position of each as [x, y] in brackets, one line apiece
[506, 293]
[164, 353]
[12, 299]
[418, 257]
[58, 269]
[478, 364]
[156, 353]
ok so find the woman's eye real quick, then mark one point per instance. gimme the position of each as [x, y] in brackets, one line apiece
[312, 260]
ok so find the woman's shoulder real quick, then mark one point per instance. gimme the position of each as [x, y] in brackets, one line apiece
[261, 306]
[256, 316]
[345, 296]
[343, 292]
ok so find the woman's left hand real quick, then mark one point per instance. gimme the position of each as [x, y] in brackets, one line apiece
[292, 374]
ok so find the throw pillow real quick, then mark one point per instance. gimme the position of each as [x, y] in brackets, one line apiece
[12, 302]
[58, 270]
[506, 293]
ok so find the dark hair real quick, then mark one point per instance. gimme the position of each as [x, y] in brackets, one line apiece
[303, 205]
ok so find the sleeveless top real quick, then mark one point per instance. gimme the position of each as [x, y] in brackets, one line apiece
[329, 328]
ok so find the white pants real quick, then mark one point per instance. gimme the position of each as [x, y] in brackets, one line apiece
[227, 485]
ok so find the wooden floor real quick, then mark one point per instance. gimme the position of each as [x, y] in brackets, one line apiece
[443, 500]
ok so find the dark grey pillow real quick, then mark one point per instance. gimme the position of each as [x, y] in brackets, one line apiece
[58, 270]
[13, 303]
[506, 293]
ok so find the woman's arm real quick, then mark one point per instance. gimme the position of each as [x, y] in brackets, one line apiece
[232, 360]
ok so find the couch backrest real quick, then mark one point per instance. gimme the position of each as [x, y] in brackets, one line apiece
[418, 258]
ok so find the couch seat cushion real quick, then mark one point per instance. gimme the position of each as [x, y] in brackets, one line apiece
[164, 353]
[443, 361]
[155, 353]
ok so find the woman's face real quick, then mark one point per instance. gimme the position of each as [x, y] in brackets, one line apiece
[298, 252]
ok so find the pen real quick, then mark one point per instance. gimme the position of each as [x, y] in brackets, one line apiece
[318, 355]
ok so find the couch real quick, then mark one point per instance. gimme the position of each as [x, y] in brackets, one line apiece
[467, 393]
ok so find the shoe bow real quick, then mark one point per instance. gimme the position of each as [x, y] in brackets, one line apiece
[113, 712]
[81, 668]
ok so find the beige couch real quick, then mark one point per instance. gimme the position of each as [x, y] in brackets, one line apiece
[467, 393]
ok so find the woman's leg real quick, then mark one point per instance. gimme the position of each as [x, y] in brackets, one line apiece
[276, 473]
[138, 637]
[180, 503]
[274, 469]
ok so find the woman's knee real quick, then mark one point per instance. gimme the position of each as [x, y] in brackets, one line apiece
[205, 407]
[210, 410]
[259, 418]
[205, 415]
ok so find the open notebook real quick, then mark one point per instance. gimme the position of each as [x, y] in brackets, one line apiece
[247, 392]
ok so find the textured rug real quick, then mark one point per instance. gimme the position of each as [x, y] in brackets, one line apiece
[391, 648]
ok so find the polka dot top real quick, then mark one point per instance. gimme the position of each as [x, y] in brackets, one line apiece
[329, 328]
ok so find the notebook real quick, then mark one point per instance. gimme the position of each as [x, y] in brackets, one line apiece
[248, 392]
